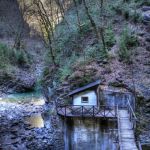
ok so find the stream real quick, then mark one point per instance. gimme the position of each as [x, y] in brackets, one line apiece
[25, 123]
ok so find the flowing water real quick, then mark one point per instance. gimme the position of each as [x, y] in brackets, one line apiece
[90, 134]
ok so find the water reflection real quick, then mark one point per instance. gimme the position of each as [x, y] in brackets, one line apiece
[39, 120]
[89, 134]
[35, 121]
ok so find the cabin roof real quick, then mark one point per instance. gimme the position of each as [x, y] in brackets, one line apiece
[88, 86]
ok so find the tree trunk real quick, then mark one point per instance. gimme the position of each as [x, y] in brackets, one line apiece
[92, 21]
[78, 18]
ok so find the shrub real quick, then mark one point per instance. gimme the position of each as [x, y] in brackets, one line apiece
[135, 16]
[64, 72]
[3, 55]
[127, 9]
[127, 42]
[21, 57]
[94, 52]
[85, 80]
[109, 37]
[9, 56]
[66, 67]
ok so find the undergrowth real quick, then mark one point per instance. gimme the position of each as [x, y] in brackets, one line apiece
[127, 41]
[80, 47]
[12, 57]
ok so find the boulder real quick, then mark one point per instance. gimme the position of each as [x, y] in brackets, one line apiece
[25, 85]
[145, 8]
[146, 17]
[147, 37]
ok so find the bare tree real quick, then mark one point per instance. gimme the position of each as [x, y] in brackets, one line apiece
[91, 19]
[46, 26]
[99, 31]
[78, 17]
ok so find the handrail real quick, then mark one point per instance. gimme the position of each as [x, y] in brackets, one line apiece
[132, 110]
[139, 145]
[133, 119]
[58, 104]
[87, 110]
[95, 111]
[119, 133]
[132, 116]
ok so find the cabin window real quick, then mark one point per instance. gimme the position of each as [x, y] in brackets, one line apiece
[84, 99]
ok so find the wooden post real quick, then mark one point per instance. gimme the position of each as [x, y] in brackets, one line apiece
[104, 111]
[130, 114]
[56, 109]
[65, 110]
[82, 111]
[115, 111]
[93, 111]
[133, 124]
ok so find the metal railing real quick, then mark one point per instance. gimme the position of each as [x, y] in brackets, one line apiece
[132, 115]
[101, 111]
[119, 132]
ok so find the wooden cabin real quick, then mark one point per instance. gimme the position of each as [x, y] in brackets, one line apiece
[87, 95]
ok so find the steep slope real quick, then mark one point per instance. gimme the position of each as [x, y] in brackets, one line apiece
[126, 63]
[21, 56]
[11, 19]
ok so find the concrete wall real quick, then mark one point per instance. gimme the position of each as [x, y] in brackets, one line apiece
[118, 98]
[91, 96]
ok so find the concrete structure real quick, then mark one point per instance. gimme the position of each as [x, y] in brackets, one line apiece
[92, 101]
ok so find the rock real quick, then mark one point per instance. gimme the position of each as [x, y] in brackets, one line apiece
[146, 17]
[65, 84]
[145, 8]
[20, 81]
[148, 47]
[118, 83]
[25, 84]
[147, 37]
[102, 62]
[140, 33]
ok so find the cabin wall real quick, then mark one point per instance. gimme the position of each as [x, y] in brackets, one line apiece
[91, 96]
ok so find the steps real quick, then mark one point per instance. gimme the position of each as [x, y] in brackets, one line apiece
[127, 138]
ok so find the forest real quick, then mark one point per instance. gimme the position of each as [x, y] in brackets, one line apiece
[57, 57]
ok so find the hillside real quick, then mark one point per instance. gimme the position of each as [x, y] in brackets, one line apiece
[12, 20]
[21, 56]
[124, 62]
[63, 45]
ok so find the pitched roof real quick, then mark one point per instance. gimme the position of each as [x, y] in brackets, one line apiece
[85, 87]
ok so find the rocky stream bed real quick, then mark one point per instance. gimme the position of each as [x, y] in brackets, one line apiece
[26, 126]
